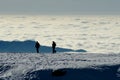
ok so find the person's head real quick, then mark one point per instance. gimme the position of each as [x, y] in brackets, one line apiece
[53, 41]
[37, 42]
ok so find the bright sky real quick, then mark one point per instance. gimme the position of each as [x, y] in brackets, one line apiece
[59, 6]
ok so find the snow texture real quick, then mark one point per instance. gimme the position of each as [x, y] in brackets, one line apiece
[62, 66]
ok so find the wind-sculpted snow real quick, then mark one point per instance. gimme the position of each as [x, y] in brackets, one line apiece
[105, 73]
[64, 66]
[29, 47]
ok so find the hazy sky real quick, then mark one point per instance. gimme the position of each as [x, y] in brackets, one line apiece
[59, 6]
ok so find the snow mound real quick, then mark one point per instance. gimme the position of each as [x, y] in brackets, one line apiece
[28, 46]
[104, 73]
[64, 66]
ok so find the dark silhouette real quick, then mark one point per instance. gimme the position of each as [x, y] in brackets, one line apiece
[53, 47]
[59, 72]
[37, 46]
[29, 47]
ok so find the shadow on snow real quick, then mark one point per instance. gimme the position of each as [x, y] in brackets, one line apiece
[103, 73]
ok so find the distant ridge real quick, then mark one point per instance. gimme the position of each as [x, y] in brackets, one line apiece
[28, 47]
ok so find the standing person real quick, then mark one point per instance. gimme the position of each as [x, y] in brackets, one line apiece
[53, 47]
[37, 46]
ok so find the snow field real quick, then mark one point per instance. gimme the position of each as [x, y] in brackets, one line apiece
[18, 64]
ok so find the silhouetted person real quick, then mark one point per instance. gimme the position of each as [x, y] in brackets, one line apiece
[53, 47]
[37, 46]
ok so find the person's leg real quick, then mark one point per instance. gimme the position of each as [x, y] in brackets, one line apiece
[37, 50]
[53, 50]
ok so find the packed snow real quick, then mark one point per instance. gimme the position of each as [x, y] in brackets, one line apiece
[33, 66]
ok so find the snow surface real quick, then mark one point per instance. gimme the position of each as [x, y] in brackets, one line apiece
[78, 66]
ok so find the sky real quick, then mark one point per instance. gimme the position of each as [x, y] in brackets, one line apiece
[60, 7]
